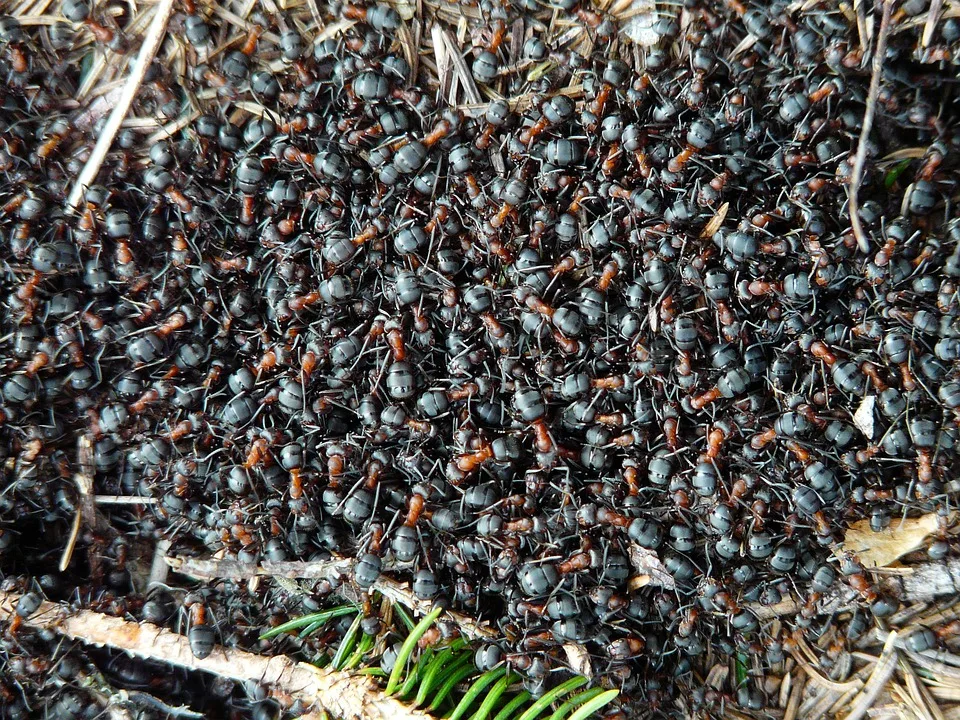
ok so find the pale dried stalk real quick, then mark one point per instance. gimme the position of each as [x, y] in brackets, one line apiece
[124, 500]
[861, 157]
[920, 693]
[463, 73]
[931, 24]
[882, 673]
[151, 43]
[342, 694]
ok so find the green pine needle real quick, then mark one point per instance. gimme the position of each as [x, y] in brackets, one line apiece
[464, 670]
[559, 691]
[592, 706]
[416, 674]
[318, 618]
[511, 707]
[575, 702]
[404, 616]
[347, 644]
[366, 645]
[894, 173]
[493, 697]
[740, 664]
[311, 629]
[408, 647]
[439, 672]
[474, 692]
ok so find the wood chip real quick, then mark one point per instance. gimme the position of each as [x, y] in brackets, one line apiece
[578, 658]
[650, 570]
[863, 417]
[716, 222]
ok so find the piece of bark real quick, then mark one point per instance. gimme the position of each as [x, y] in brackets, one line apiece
[918, 583]
[342, 694]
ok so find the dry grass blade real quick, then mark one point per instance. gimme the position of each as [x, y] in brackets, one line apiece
[932, 15]
[861, 157]
[464, 75]
[817, 702]
[444, 65]
[862, 30]
[151, 43]
[793, 703]
[919, 692]
[910, 153]
[344, 695]
[715, 222]
[87, 513]
[906, 703]
[933, 667]
[173, 128]
[882, 672]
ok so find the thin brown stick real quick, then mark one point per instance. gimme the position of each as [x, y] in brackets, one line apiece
[151, 43]
[86, 513]
[861, 157]
[342, 694]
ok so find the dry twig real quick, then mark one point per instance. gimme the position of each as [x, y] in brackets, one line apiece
[861, 157]
[342, 694]
[151, 43]
[882, 672]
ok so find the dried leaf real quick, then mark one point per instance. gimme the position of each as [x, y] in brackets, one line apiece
[579, 659]
[879, 549]
[650, 571]
[863, 417]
